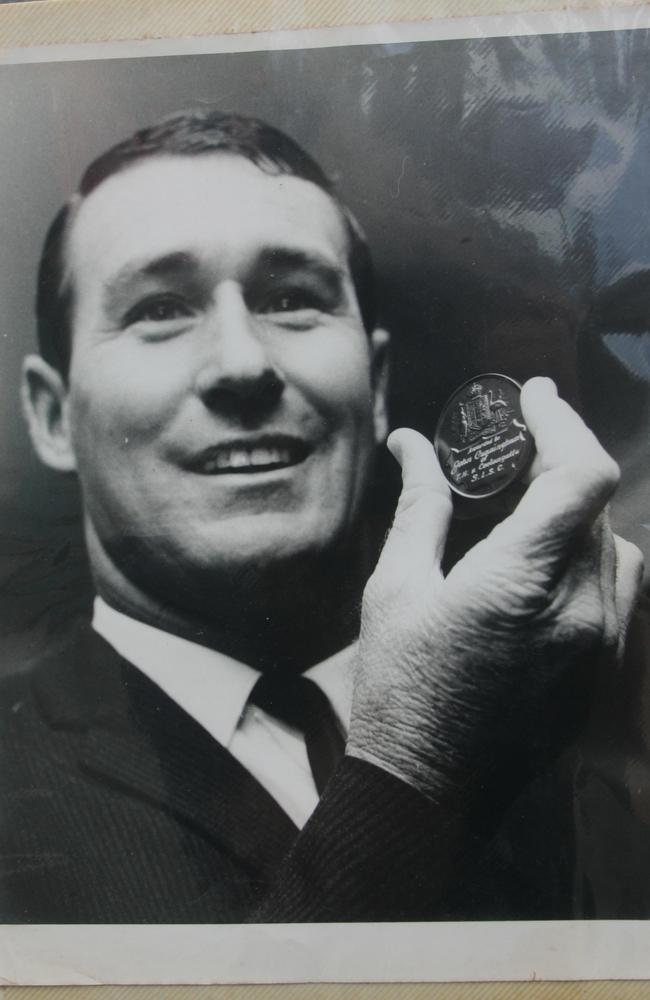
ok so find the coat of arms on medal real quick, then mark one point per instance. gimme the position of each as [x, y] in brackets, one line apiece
[482, 441]
[481, 414]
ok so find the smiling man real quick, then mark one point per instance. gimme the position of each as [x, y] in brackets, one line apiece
[212, 372]
[218, 404]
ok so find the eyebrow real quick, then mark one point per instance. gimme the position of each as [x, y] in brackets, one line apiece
[166, 266]
[284, 259]
[269, 260]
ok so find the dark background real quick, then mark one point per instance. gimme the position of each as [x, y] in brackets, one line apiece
[503, 184]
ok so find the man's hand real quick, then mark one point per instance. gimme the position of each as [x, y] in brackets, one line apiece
[455, 672]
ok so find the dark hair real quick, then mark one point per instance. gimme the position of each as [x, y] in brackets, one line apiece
[188, 133]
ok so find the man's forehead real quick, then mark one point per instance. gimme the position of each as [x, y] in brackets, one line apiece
[192, 203]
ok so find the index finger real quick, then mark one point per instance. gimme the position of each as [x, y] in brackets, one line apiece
[561, 436]
[573, 476]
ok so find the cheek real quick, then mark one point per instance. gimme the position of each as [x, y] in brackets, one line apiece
[333, 372]
[118, 400]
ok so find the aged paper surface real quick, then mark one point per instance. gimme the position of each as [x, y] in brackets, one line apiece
[48, 22]
[87, 21]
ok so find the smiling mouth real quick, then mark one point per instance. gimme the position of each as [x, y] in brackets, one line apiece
[250, 458]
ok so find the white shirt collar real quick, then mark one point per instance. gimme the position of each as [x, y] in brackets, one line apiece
[210, 686]
[335, 676]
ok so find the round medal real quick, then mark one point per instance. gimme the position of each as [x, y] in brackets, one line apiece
[481, 440]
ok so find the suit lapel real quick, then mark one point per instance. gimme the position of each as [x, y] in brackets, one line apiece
[134, 737]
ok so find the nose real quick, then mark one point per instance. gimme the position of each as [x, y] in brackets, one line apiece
[238, 372]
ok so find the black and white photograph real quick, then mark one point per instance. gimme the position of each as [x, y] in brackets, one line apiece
[325, 491]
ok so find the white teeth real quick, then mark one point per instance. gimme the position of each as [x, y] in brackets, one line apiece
[240, 458]
[261, 456]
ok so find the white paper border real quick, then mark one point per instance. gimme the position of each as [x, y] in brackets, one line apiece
[338, 953]
[553, 22]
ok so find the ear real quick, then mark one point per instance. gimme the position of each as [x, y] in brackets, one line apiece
[44, 397]
[380, 368]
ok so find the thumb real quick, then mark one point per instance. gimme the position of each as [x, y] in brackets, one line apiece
[416, 540]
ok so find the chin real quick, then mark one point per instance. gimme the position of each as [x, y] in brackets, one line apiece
[265, 542]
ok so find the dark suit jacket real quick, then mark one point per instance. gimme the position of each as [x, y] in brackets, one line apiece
[117, 807]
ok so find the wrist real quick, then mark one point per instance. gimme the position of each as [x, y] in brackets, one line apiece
[411, 751]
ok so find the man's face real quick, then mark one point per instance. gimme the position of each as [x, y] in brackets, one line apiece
[223, 402]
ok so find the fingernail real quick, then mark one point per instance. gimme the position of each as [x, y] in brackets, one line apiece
[393, 445]
[546, 384]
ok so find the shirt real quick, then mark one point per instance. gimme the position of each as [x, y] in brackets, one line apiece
[214, 689]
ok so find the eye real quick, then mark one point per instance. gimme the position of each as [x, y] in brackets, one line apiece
[158, 309]
[290, 301]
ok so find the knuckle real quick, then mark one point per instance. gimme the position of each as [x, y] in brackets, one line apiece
[607, 474]
[583, 620]
[381, 591]
[387, 593]
[585, 630]
[373, 594]
[381, 596]
[415, 494]
[611, 472]
[599, 478]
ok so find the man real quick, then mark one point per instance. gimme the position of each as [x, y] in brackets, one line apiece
[211, 371]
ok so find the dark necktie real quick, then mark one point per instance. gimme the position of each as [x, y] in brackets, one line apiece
[299, 702]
